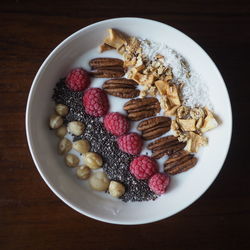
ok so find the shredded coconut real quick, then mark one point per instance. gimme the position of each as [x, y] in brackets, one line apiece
[194, 92]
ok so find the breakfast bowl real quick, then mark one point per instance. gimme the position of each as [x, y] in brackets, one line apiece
[76, 51]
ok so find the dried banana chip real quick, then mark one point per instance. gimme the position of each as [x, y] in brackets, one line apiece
[209, 122]
[199, 123]
[195, 142]
[173, 95]
[161, 86]
[187, 124]
[115, 39]
[133, 45]
[170, 91]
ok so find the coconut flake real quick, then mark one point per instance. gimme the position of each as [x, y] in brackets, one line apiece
[194, 92]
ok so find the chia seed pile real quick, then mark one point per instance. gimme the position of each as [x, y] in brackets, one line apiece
[116, 162]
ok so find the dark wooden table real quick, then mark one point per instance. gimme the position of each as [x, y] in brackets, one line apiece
[32, 217]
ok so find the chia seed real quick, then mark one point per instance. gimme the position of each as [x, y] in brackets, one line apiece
[115, 162]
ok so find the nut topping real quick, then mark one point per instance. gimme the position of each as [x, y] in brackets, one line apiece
[179, 162]
[55, 121]
[71, 160]
[64, 146]
[165, 146]
[105, 67]
[154, 127]
[121, 87]
[141, 108]
[61, 109]
[116, 189]
[105, 62]
[99, 181]
[76, 127]
[93, 160]
[108, 72]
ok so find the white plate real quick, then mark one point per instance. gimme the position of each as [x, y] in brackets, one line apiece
[185, 188]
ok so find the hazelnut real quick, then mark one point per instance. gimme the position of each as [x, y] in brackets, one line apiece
[72, 160]
[61, 132]
[76, 127]
[99, 181]
[116, 189]
[64, 146]
[81, 146]
[83, 172]
[62, 110]
[55, 121]
[93, 160]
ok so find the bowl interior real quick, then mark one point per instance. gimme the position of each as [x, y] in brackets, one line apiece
[185, 188]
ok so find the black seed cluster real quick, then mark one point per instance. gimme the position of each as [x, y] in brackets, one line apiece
[116, 162]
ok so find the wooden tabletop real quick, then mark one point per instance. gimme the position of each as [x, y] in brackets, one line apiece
[32, 217]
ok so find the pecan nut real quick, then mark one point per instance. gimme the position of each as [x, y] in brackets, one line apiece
[165, 146]
[113, 72]
[105, 67]
[141, 108]
[154, 127]
[105, 62]
[179, 162]
[121, 87]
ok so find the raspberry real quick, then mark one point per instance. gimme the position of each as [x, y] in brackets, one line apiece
[143, 167]
[95, 102]
[158, 183]
[77, 79]
[130, 143]
[116, 123]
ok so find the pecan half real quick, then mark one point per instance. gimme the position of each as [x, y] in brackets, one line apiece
[141, 108]
[121, 87]
[105, 67]
[104, 62]
[179, 162]
[154, 127]
[165, 146]
[113, 72]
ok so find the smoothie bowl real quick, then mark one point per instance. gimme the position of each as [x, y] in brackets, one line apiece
[128, 126]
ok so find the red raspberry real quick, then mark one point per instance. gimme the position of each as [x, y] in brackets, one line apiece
[130, 143]
[158, 183]
[77, 79]
[95, 102]
[116, 123]
[143, 167]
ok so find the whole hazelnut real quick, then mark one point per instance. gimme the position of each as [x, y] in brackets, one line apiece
[81, 146]
[116, 189]
[93, 160]
[64, 146]
[99, 181]
[62, 110]
[72, 160]
[55, 121]
[61, 132]
[83, 172]
[76, 127]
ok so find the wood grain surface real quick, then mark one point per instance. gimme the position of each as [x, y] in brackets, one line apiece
[32, 217]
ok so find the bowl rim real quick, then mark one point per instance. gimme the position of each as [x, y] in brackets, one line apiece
[29, 140]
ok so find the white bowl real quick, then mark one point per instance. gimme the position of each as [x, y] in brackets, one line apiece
[185, 188]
